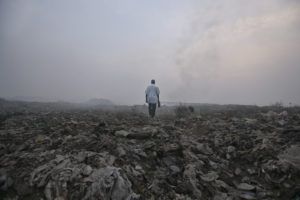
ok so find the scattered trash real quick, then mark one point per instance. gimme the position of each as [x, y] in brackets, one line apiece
[48, 151]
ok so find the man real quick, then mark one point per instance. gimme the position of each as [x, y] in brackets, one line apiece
[152, 97]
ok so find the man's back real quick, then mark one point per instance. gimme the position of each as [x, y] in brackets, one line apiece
[152, 93]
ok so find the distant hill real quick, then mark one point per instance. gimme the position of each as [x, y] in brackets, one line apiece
[172, 103]
[99, 101]
[31, 99]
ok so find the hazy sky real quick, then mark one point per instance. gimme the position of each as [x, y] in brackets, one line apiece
[208, 51]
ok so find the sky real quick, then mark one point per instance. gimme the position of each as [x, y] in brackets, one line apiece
[204, 51]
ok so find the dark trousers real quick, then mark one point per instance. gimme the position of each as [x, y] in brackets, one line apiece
[152, 108]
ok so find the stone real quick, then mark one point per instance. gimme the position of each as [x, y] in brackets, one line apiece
[230, 149]
[247, 196]
[211, 176]
[237, 171]
[138, 167]
[122, 133]
[87, 170]
[245, 186]
[175, 169]
[121, 151]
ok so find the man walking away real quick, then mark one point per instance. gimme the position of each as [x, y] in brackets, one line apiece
[152, 97]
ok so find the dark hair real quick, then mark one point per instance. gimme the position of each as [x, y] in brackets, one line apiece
[153, 81]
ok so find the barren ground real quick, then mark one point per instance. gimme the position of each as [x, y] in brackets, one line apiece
[62, 151]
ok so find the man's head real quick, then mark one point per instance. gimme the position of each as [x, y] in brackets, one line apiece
[152, 81]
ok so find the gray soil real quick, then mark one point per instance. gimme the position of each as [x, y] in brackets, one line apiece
[64, 151]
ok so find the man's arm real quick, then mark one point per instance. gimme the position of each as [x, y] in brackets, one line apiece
[146, 93]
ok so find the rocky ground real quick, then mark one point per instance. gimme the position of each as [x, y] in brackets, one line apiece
[53, 151]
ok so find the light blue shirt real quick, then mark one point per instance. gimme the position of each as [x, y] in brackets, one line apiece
[152, 93]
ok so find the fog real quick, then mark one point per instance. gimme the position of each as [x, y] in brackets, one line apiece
[226, 52]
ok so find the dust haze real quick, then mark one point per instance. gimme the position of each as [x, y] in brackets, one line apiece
[226, 52]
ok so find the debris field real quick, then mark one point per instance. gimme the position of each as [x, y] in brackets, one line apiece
[48, 151]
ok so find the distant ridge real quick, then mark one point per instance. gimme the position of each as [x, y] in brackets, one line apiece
[99, 101]
[170, 103]
[31, 99]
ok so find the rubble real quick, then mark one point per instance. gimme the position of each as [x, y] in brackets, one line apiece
[48, 151]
